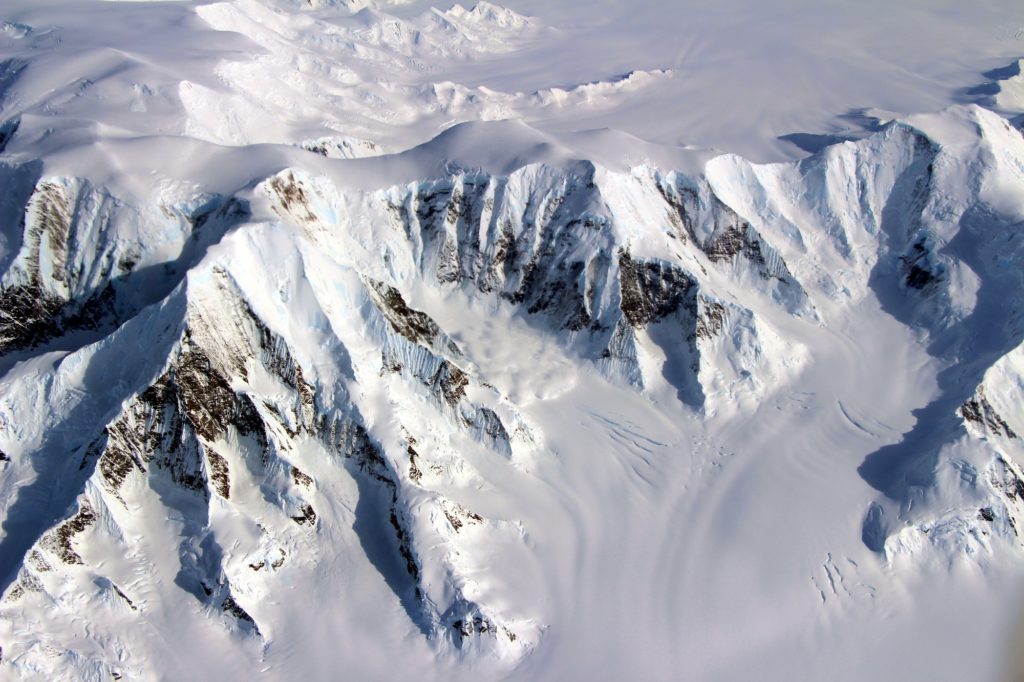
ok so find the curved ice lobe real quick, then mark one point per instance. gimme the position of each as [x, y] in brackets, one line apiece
[1004, 91]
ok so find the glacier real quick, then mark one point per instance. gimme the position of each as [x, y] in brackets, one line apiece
[335, 344]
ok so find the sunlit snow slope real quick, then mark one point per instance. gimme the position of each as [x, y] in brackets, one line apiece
[324, 356]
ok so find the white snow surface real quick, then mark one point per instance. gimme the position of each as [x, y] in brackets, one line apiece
[548, 341]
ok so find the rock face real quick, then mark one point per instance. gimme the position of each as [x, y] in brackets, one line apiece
[225, 425]
[236, 405]
[83, 262]
[650, 291]
[548, 241]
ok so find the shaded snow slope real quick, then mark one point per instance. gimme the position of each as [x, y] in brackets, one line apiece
[408, 380]
[308, 368]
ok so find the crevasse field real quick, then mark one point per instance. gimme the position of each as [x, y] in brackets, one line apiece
[563, 340]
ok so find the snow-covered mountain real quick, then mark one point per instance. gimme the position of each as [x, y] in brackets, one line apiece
[326, 350]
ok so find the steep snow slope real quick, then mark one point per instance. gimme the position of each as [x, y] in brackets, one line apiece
[344, 378]
[510, 403]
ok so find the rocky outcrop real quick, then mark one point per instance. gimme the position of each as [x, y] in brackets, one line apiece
[413, 325]
[980, 413]
[651, 290]
[550, 242]
[59, 283]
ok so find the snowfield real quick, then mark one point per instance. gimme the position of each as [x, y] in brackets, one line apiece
[556, 341]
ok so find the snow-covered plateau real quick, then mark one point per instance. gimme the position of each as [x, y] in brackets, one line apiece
[354, 339]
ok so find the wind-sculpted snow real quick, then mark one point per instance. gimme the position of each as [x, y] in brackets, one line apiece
[332, 68]
[514, 403]
[300, 368]
[271, 401]
[919, 232]
[223, 431]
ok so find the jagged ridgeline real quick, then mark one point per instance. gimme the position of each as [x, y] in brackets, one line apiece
[85, 261]
[232, 401]
[640, 273]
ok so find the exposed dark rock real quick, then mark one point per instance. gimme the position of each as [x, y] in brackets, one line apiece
[404, 544]
[206, 396]
[122, 595]
[412, 324]
[476, 625]
[464, 234]
[96, 311]
[275, 564]
[209, 402]
[301, 478]
[727, 244]
[232, 608]
[7, 130]
[449, 383]
[458, 516]
[560, 297]
[219, 211]
[651, 290]
[711, 320]
[985, 514]
[389, 364]
[169, 443]
[1004, 479]
[34, 309]
[342, 148]
[415, 475]
[918, 277]
[316, 148]
[306, 516]
[917, 271]
[59, 541]
[218, 473]
[53, 208]
[684, 204]
[293, 197]
[29, 583]
[430, 206]
[505, 253]
[979, 411]
[28, 317]
[38, 562]
[490, 426]
[353, 442]
[115, 465]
